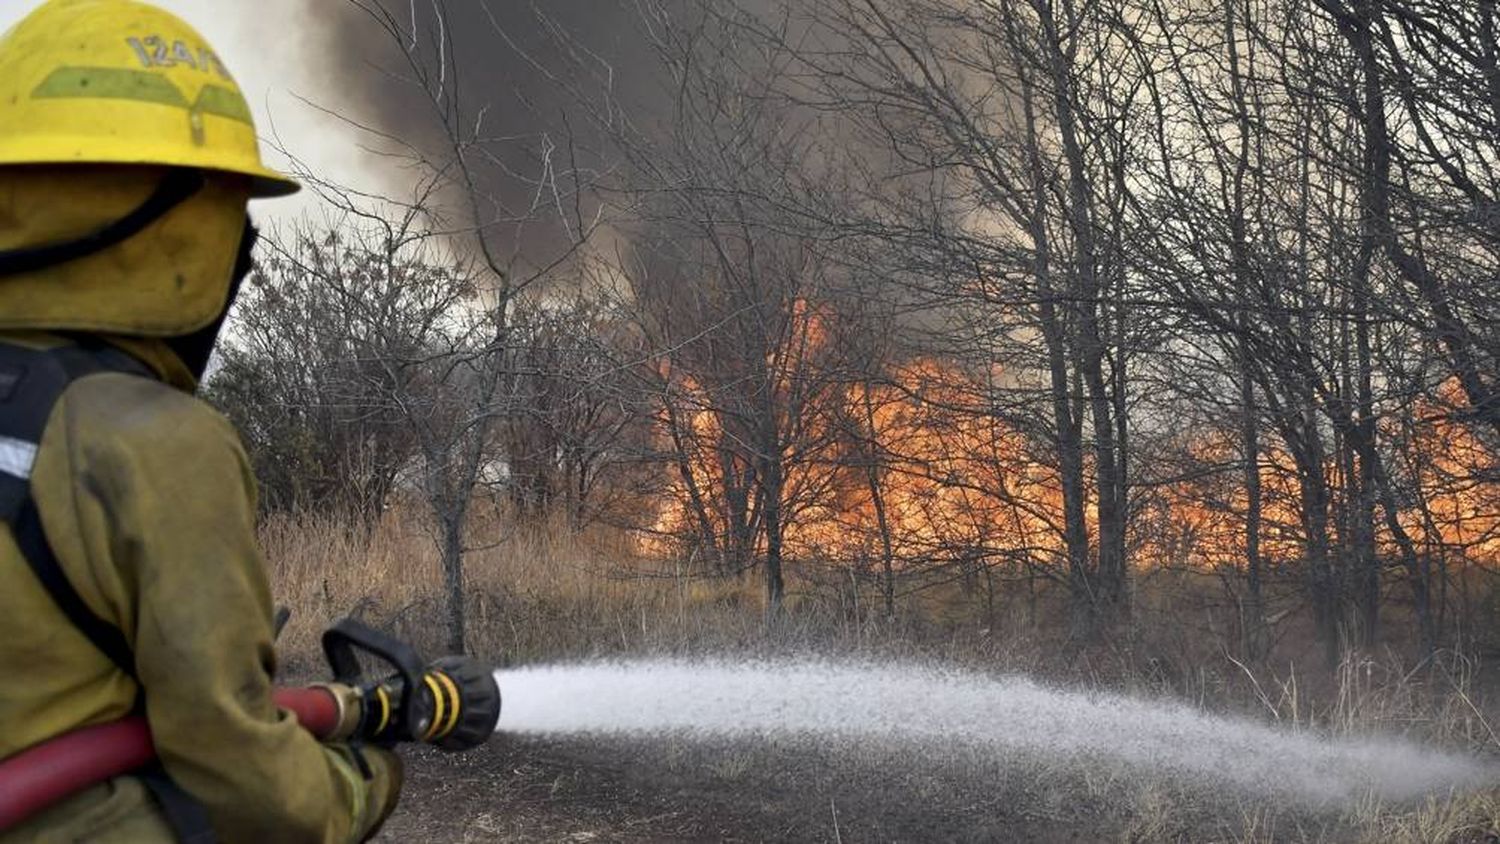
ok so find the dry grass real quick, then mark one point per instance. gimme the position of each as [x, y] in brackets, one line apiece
[545, 593]
[1455, 818]
[542, 593]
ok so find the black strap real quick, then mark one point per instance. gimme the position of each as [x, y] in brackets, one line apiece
[174, 189]
[32, 541]
[36, 379]
[31, 382]
[43, 379]
[185, 815]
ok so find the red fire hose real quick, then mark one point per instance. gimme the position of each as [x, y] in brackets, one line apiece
[37, 778]
[452, 703]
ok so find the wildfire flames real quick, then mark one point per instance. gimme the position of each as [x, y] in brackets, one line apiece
[907, 461]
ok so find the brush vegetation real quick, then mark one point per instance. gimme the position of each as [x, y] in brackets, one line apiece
[1134, 345]
[545, 593]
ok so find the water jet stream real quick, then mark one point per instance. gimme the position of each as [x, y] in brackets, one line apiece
[908, 705]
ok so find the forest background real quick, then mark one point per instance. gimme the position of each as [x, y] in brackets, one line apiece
[1146, 343]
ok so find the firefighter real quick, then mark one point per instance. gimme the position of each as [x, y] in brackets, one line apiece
[132, 582]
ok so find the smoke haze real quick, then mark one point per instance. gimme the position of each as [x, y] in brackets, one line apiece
[311, 68]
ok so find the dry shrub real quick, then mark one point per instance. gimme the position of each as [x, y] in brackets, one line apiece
[538, 591]
[535, 590]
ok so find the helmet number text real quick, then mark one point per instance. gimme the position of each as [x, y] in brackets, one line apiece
[154, 51]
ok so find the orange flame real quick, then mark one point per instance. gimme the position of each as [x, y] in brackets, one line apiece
[945, 482]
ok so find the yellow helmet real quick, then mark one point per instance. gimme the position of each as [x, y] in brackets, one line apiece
[122, 82]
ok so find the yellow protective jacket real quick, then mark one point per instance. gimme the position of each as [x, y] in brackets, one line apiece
[148, 502]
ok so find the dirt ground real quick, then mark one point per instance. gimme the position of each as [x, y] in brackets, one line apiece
[533, 790]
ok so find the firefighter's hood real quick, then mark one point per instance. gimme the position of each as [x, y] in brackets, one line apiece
[169, 280]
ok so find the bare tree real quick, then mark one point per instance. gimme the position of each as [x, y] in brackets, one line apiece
[505, 214]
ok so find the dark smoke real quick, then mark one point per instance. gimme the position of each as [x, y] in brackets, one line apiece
[503, 52]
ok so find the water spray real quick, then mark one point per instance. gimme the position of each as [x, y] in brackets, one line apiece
[452, 703]
[927, 713]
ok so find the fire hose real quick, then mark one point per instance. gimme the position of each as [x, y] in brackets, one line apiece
[451, 703]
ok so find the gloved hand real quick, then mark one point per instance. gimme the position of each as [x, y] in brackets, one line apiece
[382, 789]
[389, 774]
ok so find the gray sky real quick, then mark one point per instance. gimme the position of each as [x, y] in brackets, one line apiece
[285, 53]
[328, 52]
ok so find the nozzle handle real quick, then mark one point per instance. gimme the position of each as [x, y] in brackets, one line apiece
[342, 644]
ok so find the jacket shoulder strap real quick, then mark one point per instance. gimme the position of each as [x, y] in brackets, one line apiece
[31, 382]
